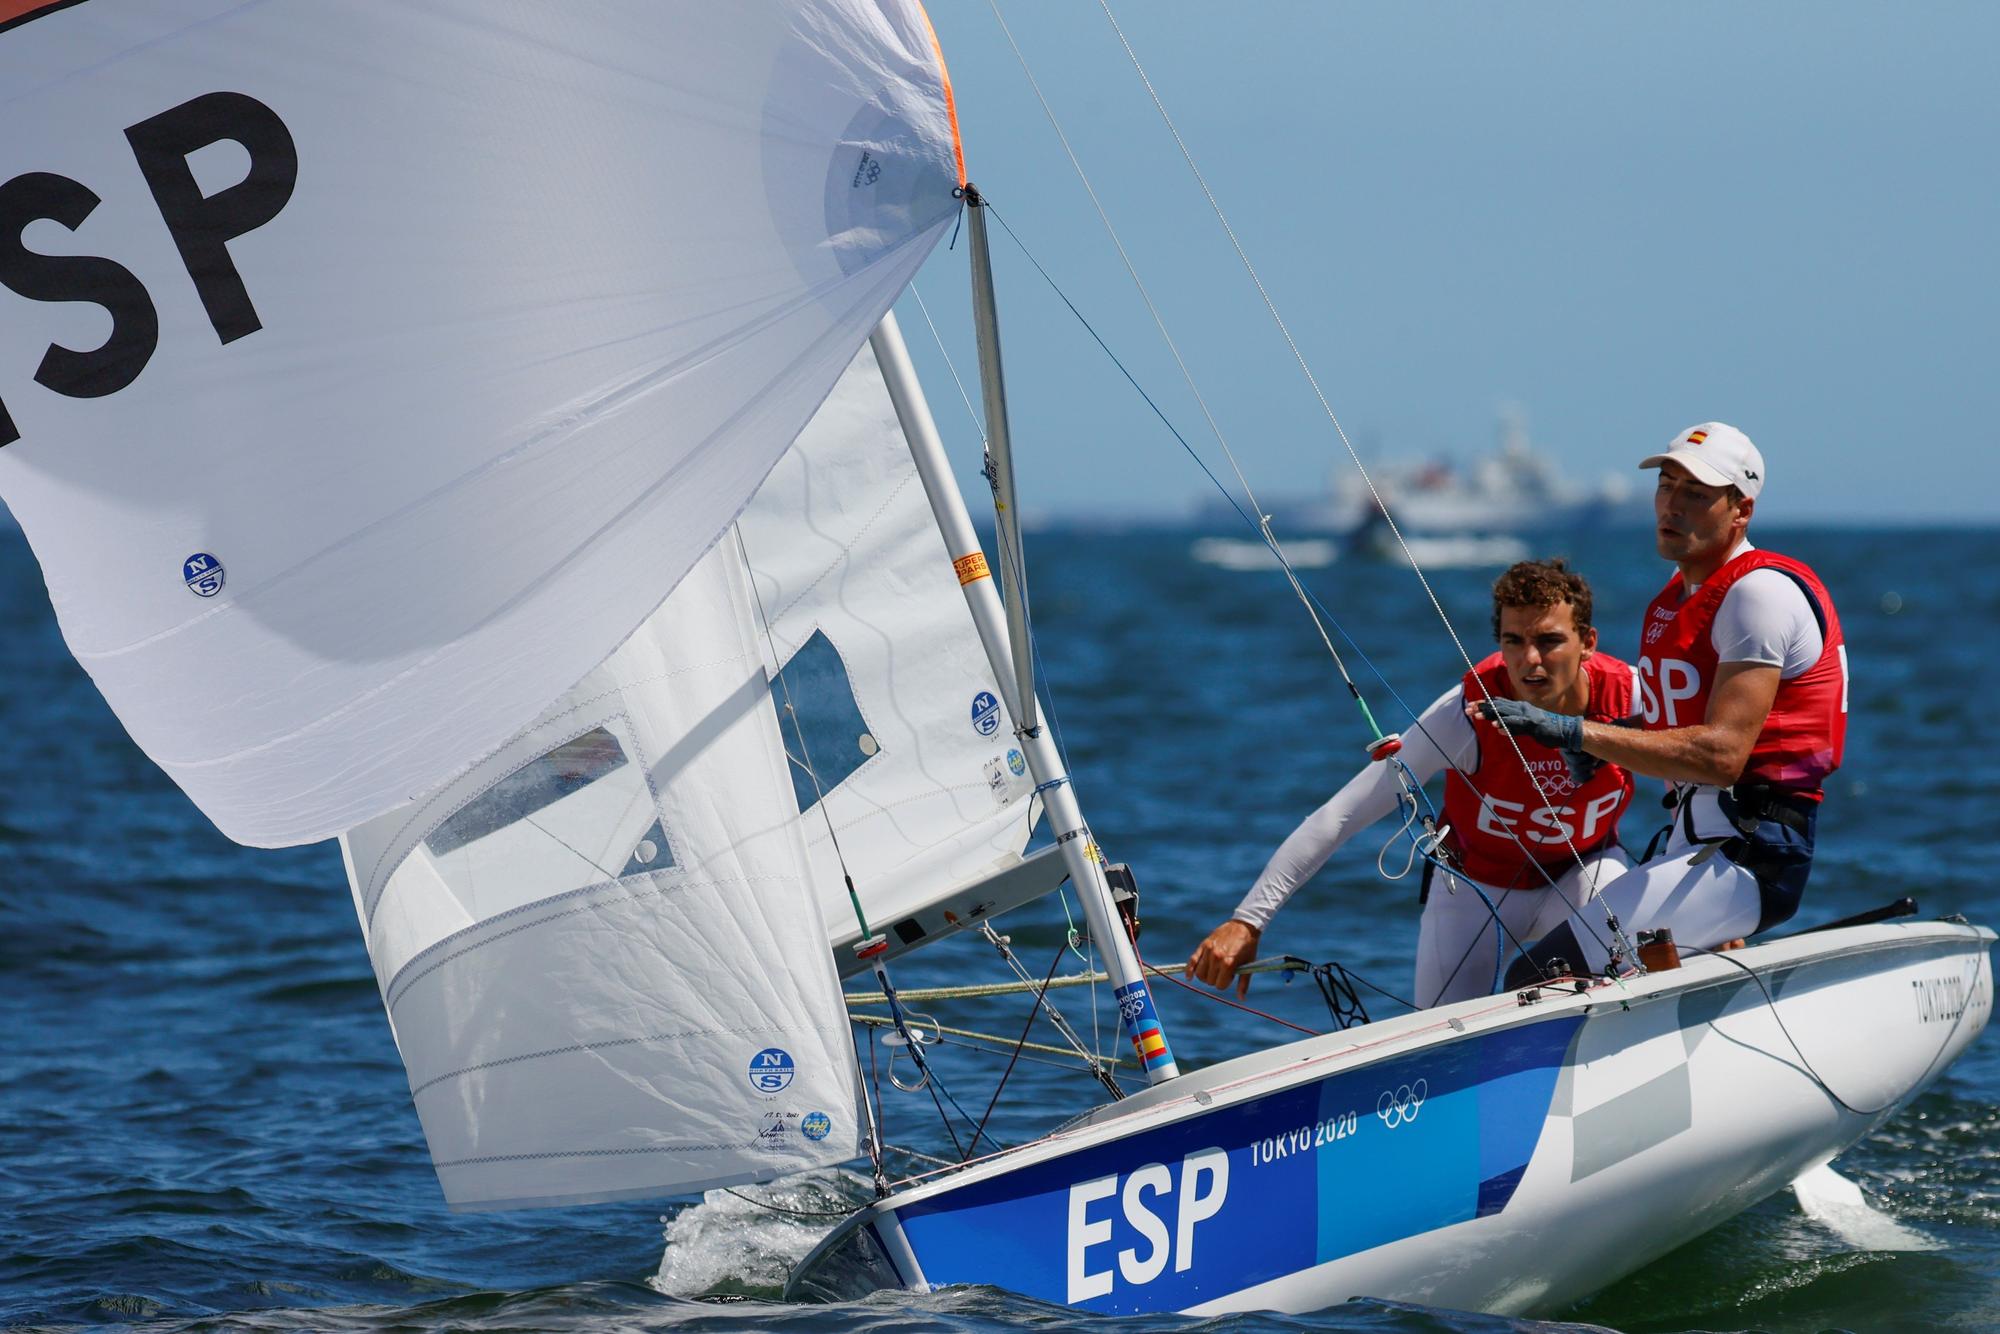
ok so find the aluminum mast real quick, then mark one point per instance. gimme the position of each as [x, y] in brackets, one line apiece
[1066, 823]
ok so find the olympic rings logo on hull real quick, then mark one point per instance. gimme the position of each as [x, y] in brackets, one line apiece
[1401, 1104]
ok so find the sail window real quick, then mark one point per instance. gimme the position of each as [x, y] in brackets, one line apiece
[578, 815]
[820, 720]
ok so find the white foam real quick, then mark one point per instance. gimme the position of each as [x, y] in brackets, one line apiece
[731, 1244]
[1837, 1204]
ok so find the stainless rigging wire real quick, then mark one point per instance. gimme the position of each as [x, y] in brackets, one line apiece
[1263, 521]
[1055, 728]
[1340, 431]
[1159, 322]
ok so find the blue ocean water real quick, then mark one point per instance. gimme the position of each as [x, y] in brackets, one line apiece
[203, 1120]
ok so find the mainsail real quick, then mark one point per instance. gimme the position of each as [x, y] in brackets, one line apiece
[889, 693]
[356, 360]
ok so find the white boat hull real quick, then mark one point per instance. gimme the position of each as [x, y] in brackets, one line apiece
[1487, 1155]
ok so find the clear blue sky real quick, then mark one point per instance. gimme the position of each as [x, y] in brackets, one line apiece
[1625, 218]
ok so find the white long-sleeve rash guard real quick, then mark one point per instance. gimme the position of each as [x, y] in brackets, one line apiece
[1441, 736]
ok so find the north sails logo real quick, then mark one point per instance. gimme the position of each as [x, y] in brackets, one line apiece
[771, 1070]
[203, 574]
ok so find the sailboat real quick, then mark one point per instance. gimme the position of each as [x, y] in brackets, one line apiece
[502, 458]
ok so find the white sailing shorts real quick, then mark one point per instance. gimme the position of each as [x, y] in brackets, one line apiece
[1710, 885]
[1460, 953]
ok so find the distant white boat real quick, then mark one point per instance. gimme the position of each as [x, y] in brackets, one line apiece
[1317, 553]
[1516, 489]
[1454, 553]
[1228, 553]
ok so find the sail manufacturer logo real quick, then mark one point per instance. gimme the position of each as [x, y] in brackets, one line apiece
[203, 574]
[1093, 1269]
[773, 1132]
[771, 1070]
[985, 713]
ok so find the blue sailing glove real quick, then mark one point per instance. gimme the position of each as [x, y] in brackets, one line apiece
[1557, 731]
[1560, 732]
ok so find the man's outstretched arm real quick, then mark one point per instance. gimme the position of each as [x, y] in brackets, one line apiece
[1438, 739]
[1713, 751]
[1228, 948]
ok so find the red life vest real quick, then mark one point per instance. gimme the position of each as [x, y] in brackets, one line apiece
[1803, 738]
[1486, 824]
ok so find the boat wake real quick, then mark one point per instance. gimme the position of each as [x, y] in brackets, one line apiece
[743, 1244]
[1837, 1204]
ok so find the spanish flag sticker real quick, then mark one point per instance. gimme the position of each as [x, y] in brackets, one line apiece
[1152, 1047]
[1696, 437]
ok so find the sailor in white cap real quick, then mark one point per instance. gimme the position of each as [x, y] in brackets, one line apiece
[1743, 709]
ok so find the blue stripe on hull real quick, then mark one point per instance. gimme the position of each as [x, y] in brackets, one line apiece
[1207, 1206]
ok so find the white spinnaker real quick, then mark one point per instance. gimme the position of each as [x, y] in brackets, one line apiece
[841, 542]
[592, 943]
[543, 294]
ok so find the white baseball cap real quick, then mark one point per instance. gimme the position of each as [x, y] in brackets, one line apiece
[1717, 454]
